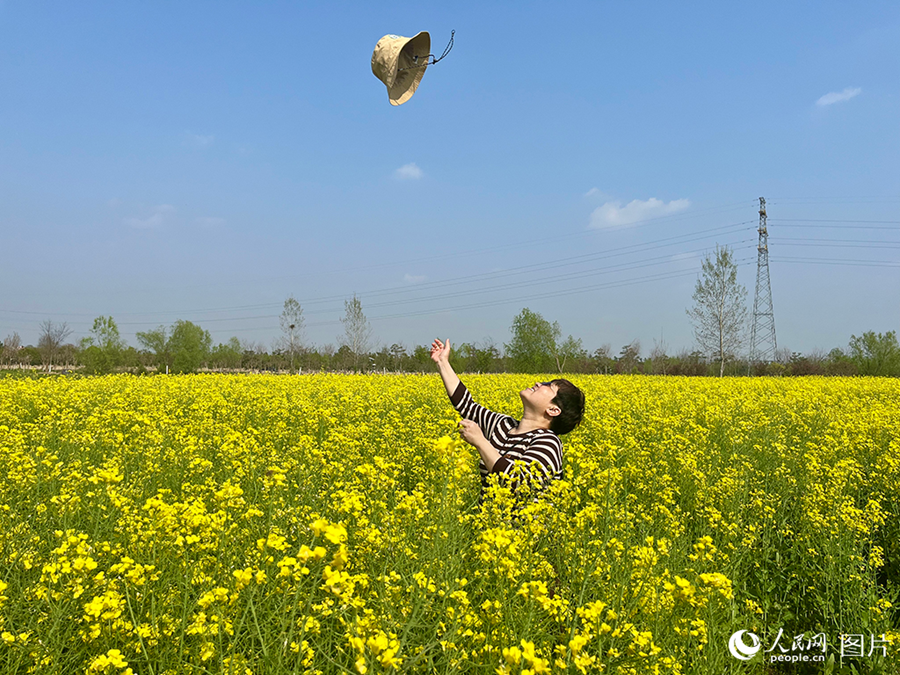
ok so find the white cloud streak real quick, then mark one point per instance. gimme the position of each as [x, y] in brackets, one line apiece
[409, 171]
[156, 219]
[839, 96]
[596, 195]
[413, 279]
[613, 214]
[210, 221]
[200, 140]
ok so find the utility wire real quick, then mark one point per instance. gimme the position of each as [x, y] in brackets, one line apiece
[481, 290]
[838, 261]
[841, 241]
[584, 258]
[844, 227]
[484, 250]
[829, 220]
[582, 289]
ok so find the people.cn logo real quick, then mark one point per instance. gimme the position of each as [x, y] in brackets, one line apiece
[741, 650]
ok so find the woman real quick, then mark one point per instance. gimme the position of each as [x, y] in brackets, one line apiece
[506, 445]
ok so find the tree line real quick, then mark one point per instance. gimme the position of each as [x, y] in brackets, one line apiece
[719, 316]
[536, 347]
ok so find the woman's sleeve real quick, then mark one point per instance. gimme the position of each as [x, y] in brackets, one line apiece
[540, 463]
[465, 406]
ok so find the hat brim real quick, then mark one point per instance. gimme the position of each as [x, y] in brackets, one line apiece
[409, 73]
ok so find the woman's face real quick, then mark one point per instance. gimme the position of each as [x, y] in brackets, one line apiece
[540, 396]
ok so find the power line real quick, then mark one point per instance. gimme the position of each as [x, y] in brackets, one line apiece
[840, 261]
[636, 264]
[841, 241]
[845, 227]
[882, 245]
[559, 262]
[484, 250]
[651, 262]
[552, 264]
[583, 289]
[829, 220]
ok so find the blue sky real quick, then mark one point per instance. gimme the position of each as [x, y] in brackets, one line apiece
[203, 161]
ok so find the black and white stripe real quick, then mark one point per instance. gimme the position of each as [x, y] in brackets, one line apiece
[539, 450]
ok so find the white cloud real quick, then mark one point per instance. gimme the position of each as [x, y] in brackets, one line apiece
[597, 194]
[413, 279]
[199, 140]
[113, 203]
[157, 218]
[409, 171]
[613, 214]
[210, 221]
[838, 96]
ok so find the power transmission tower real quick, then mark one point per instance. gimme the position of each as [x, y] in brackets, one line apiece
[762, 335]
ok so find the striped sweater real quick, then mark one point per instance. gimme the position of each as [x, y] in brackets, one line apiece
[539, 449]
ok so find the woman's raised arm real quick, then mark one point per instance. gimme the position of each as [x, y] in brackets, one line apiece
[440, 354]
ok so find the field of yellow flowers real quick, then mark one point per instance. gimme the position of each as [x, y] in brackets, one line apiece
[329, 524]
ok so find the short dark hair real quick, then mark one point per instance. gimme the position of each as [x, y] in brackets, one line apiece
[570, 400]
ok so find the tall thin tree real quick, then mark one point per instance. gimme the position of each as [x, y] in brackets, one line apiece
[720, 310]
[292, 326]
[357, 331]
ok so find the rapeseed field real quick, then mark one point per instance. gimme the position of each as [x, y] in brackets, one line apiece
[329, 524]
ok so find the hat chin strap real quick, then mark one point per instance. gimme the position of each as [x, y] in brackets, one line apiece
[425, 62]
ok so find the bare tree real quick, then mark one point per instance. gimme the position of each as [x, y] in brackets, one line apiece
[292, 326]
[603, 359]
[720, 310]
[11, 346]
[357, 331]
[783, 356]
[51, 339]
[659, 358]
[253, 347]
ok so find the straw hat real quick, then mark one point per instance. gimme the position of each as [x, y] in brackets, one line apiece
[400, 63]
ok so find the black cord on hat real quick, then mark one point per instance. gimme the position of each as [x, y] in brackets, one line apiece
[431, 56]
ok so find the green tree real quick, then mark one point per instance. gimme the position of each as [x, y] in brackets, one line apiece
[533, 345]
[602, 360]
[102, 349]
[189, 345]
[876, 354]
[485, 358]
[228, 355]
[720, 309]
[571, 351]
[629, 360]
[839, 363]
[156, 342]
[421, 359]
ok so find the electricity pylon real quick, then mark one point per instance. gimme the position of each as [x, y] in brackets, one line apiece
[762, 334]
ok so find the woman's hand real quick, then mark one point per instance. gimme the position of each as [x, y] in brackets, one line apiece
[440, 352]
[470, 432]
